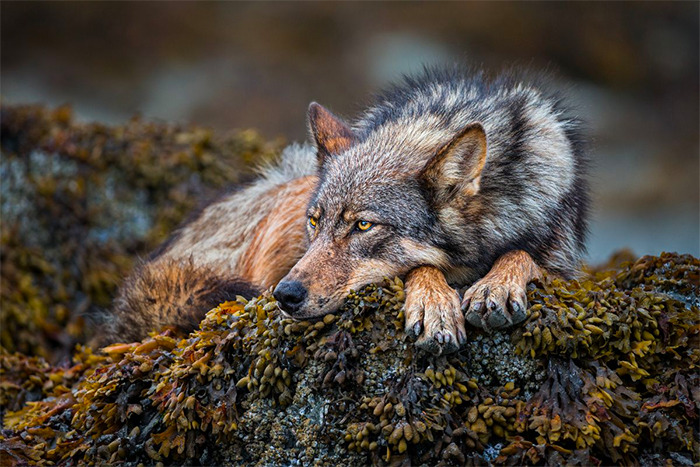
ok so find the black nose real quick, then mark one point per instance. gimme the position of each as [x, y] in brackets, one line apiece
[290, 295]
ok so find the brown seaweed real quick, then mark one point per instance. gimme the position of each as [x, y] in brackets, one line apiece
[603, 371]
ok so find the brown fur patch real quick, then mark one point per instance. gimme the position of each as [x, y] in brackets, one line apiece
[371, 270]
[421, 253]
[280, 238]
[514, 267]
[167, 293]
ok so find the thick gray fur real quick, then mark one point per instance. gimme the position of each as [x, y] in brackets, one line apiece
[533, 194]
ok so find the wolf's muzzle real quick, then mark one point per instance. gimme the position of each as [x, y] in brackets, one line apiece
[290, 295]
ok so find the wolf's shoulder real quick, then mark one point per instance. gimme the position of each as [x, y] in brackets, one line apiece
[457, 93]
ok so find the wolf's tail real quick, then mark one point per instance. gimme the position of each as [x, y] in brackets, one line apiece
[166, 293]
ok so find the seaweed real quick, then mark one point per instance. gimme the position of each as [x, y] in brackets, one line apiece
[79, 202]
[252, 385]
[603, 370]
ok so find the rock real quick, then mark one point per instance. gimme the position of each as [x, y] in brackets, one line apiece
[603, 370]
[80, 202]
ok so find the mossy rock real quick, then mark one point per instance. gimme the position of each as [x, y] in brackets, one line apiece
[604, 370]
[80, 202]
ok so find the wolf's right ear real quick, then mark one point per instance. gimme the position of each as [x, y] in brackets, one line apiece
[331, 134]
[455, 170]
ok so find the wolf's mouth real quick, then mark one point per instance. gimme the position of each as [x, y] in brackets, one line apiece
[283, 312]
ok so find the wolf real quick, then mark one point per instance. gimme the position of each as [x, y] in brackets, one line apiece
[450, 179]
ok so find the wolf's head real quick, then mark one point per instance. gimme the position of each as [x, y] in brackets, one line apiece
[386, 201]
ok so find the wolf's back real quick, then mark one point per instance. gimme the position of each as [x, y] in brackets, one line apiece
[239, 245]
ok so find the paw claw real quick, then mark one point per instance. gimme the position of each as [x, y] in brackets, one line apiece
[435, 316]
[509, 318]
[413, 330]
[519, 313]
[461, 337]
[502, 305]
[417, 328]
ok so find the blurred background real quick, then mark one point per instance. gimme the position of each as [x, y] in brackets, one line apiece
[632, 71]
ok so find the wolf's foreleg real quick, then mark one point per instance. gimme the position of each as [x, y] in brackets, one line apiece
[432, 311]
[499, 299]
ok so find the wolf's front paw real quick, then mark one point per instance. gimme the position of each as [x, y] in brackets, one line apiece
[492, 303]
[433, 314]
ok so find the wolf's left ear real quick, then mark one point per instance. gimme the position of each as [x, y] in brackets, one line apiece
[332, 135]
[456, 167]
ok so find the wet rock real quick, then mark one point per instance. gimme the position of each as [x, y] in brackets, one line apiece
[250, 386]
[603, 370]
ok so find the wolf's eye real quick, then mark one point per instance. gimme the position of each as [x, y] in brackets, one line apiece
[364, 226]
[312, 222]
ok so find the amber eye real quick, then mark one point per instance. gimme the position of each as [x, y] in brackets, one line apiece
[312, 222]
[364, 226]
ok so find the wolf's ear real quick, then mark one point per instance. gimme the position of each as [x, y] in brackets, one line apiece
[456, 167]
[332, 135]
